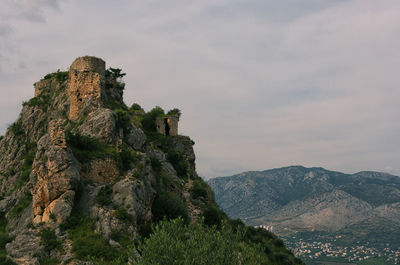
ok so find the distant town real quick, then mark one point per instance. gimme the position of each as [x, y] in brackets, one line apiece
[331, 251]
[319, 250]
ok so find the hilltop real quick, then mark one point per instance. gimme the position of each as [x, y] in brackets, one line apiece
[85, 179]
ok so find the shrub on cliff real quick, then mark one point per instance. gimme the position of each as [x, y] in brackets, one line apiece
[168, 206]
[174, 242]
[149, 119]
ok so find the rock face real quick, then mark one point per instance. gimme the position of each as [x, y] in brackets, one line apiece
[57, 178]
[77, 151]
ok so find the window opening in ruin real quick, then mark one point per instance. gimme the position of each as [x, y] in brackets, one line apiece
[167, 128]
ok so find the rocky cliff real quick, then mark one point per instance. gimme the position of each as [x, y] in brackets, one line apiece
[83, 176]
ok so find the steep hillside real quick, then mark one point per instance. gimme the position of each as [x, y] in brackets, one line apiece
[85, 179]
[298, 199]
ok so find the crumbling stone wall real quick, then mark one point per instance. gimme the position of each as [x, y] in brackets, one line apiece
[167, 125]
[86, 82]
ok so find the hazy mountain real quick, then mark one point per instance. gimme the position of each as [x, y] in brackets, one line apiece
[298, 199]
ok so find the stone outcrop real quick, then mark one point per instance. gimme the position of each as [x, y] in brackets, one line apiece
[41, 85]
[57, 178]
[100, 124]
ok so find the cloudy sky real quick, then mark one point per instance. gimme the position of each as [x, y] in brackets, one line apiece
[261, 83]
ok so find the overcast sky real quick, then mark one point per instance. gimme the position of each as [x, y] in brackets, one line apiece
[261, 83]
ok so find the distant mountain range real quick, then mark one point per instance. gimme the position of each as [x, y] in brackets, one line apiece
[361, 207]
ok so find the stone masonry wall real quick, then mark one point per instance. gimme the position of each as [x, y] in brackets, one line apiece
[86, 82]
[172, 122]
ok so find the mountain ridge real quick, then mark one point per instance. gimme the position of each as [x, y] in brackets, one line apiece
[297, 198]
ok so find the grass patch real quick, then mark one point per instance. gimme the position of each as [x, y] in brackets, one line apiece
[16, 128]
[123, 119]
[86, 148]
[48, 239]
[86, 244]
[103, 198]
[21, 205]
[122, 214]
[59, 76]
[42, 101]
[178, 162]
[48, 261]
[26, 168]
[4, 239]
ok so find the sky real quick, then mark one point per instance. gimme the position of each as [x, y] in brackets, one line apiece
[261, 83]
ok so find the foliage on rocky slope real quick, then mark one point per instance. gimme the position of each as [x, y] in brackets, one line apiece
[85, 178]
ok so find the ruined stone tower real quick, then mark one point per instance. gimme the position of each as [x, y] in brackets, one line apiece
[167, 125]
[86, 81]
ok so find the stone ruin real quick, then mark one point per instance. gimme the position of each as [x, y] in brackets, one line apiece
[86, 82]
[167, 125]
[86, 86]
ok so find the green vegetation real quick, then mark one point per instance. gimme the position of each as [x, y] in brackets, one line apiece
[115, 73]
[168, 206]
[48, 261]
[213, 216]
[127, 159]
[199, 189]
[88, 245]
[42, 101]
[123, 119]
[136, 107]
[86, 148]
[48, 239]
[21, 205]
[4, 239]
[174, 242]
[60, 76]
[175, 112]
[16, 128]
[104, 197]
[178, 162]
[27, 166]
[122, 214]
[149, 119]
[156, 165]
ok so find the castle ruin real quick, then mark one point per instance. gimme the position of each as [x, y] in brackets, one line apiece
[86, 81]
[167, 125]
